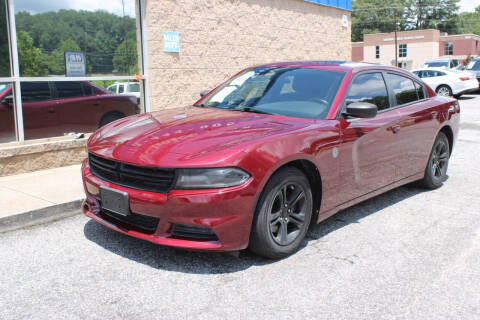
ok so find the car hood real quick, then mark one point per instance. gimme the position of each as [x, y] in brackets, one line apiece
[188, 137]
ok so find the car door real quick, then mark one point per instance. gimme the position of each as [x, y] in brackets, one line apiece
[79, 107]
[368, 149]
[414, 129]
[40, 119]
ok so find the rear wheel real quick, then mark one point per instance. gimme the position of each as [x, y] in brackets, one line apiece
[444, 90]
[436, 171]
[283, 214]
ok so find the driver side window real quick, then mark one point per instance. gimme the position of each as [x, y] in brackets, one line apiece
[369, 88]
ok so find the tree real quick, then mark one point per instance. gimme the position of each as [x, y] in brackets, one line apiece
[432, 14]
[371, 16]
[30, 58]
[56, 61]
[126, 57]
[374, 16]
[4, 51]
[469, 22]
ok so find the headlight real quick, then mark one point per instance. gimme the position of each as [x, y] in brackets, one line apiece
[210, 178]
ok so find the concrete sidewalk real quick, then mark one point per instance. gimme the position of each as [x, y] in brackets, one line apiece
[36, 197]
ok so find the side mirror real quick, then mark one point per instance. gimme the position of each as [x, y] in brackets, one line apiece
[361, 110]
[8, 101]
[204, 93]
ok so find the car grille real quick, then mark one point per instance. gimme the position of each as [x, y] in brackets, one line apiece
[136, 222]
[131, 176]
[193, 232]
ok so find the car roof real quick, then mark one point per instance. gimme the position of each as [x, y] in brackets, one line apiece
[344, 66]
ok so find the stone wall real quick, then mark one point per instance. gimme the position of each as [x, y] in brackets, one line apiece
[219, 38]
[28, 157]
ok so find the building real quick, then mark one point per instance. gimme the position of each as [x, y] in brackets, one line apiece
[414, 47]
[62, 54]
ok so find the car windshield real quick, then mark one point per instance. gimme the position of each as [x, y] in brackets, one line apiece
[3, 86]
[473, 65]
[436, 64]
[288, 91]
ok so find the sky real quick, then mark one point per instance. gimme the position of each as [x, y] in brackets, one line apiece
[468, 5]
[113, 6]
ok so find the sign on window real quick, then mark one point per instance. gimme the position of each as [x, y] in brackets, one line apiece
[171, 41]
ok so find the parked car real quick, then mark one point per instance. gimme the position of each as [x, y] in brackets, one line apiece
[445, 63]
[59, 107]
[126, 88]
[448, 82]
[474, 66]
[273, 150]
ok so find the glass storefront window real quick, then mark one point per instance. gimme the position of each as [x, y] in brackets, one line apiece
[7, 113]
[104, 33]
[59, 108]
[4, 48]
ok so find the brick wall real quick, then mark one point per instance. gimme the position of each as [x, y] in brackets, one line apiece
[219, 38]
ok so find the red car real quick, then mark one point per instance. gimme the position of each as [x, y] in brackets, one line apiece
[56, 108]
[270, 152]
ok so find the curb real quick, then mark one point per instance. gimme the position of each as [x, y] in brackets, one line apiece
[40, 216]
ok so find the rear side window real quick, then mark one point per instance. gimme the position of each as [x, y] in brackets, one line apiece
[403, 89]
[67, 89]
[121, 88]
[369, 88]
[35, 91]
[420, 92]
[88, 90]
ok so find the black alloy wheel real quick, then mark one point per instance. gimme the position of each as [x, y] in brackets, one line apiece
[436, 170]
[283, 214]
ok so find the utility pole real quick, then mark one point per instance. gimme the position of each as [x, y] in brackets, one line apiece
[396, 46]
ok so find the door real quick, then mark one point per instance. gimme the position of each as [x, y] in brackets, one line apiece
[40, 119]
[77, 106]
[416, 126]
[368, 151]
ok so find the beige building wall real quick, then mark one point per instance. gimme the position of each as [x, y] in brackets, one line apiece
[219, 38]
[416, 53]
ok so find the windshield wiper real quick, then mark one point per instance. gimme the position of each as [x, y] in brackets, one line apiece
[251, 109]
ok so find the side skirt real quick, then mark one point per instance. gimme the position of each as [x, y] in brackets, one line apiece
[326, 214]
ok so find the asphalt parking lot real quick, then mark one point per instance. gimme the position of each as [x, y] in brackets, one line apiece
[407, 254]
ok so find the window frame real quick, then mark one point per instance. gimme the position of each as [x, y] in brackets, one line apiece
[16, 78]
[447, 47]
[401, 50]
[391, 96]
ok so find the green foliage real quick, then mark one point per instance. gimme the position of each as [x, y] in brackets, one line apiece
[30, 58]
[98, 34]
[126, 58]
[372, 16]
[469, 22]
[4, 51]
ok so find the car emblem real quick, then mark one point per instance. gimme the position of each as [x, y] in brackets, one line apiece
[335, 152]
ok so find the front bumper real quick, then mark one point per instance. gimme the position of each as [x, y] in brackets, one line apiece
[227, 212]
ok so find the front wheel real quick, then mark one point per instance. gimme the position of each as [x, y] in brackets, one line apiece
[436, 171]
[283, 214]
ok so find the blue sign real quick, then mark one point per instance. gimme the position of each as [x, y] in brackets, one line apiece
[171, 41]
[75, 64]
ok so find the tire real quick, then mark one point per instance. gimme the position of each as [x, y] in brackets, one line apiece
[282, 215]
[436, 170]
[444, 90]
[110, 117]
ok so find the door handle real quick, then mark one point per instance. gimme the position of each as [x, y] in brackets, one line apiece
[96, 104]
[51, 110]
[395, 128]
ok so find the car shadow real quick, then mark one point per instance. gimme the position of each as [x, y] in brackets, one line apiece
[177, 260]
